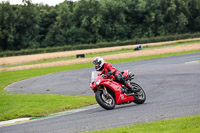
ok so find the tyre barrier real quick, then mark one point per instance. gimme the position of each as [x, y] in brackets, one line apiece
[80, 56]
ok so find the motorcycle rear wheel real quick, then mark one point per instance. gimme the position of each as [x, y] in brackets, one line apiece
[140, 97]
[106, 103]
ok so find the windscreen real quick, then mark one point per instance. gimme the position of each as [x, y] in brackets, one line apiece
[93, 76]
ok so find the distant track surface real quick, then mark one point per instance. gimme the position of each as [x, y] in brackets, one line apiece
[171, 84]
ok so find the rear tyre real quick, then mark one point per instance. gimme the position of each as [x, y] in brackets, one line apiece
[140, 96]
[106, 103]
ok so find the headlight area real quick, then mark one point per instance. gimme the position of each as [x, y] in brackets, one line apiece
[98, 82]
[91, 88]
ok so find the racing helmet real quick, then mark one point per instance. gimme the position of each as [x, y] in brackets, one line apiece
[98, 63]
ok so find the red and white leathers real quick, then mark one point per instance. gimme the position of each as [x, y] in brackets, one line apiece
[116, 75]
[107, 67]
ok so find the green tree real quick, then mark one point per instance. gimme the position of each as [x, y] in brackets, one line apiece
[87, 17]
[194, 18]
[47, 19]
[27, 26]
[114, 20]
[92, 21]
[7, 26]
[135, 18]
[57, 35]
[54, 37]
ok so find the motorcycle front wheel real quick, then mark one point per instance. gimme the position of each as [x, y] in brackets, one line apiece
[105, 102]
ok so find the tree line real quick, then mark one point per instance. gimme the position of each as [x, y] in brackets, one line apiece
[29, 25]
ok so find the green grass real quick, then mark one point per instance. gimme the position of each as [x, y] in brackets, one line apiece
[14, 105]
[189, 124]
[35, 105]
[101, 54]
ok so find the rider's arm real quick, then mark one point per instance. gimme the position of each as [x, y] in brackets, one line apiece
[111, 68]
[108, 70]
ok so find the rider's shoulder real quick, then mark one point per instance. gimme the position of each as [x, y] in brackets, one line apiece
[107, 64]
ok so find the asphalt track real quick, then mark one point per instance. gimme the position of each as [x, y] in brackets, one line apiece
[172, 86]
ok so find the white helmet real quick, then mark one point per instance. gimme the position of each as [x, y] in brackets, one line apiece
[98, 63]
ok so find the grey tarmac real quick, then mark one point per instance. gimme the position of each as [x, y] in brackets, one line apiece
[172, 86]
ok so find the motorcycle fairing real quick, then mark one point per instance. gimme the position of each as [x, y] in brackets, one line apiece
[116, 88]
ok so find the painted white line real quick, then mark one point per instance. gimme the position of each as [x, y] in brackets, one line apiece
[13, 121]
[21, 120]
[190, 62]
[68, 112]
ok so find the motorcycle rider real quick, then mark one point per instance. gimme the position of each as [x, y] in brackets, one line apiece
[107, 69]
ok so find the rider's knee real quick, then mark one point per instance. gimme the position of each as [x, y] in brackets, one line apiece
[118, 79]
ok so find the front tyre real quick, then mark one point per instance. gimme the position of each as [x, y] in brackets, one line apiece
[103, 101]
[140, 96]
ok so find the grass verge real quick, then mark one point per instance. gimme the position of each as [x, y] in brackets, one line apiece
[189, 124]
[14, 105]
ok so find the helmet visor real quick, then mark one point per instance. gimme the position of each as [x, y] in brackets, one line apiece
[97, 66]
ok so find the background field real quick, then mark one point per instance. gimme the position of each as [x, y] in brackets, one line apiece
[58, 59]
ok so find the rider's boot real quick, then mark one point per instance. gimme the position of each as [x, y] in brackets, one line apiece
[132, 88]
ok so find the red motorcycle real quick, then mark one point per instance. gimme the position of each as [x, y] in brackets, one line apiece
[108, 93]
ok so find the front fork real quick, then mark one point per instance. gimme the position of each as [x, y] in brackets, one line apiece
[105, 92]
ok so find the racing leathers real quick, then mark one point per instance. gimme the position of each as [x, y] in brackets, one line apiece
[109, 70]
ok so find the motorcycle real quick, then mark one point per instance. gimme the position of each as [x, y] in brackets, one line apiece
[108, 92]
